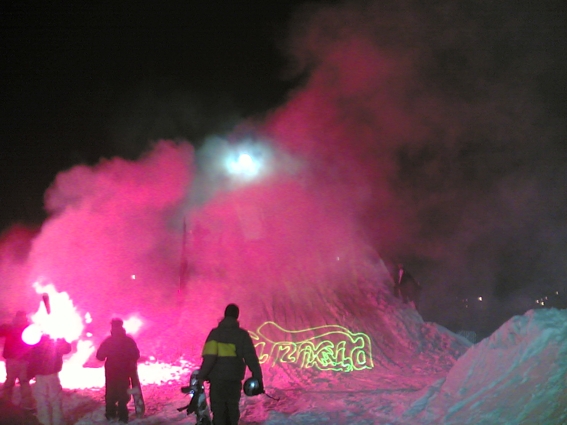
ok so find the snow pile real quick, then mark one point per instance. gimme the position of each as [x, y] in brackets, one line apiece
[318, 304]
[516, 376]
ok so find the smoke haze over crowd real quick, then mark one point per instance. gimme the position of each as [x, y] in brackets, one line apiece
[437, 133]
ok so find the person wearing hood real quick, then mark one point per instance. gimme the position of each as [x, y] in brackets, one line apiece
[120, 354]
[16, 353]
[227, 351]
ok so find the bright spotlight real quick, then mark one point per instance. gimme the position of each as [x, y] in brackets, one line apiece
[244, 166]
[246, 163]
[247, 160]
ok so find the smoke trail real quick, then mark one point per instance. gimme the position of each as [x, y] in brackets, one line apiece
[113, 238]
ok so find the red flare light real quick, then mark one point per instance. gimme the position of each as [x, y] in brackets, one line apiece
[32, 334]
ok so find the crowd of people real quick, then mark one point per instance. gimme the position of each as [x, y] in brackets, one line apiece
[228, 350]
[24, 362]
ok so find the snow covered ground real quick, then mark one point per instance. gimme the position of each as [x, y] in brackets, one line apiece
[516, 376]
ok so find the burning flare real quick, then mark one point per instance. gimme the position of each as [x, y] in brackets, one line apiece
[58, 317]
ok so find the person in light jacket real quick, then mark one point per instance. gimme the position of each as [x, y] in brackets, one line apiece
[46, 361]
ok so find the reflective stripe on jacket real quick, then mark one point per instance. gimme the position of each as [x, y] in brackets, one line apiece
[227, 352]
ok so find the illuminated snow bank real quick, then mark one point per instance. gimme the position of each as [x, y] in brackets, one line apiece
[157, 373]
[516, 376]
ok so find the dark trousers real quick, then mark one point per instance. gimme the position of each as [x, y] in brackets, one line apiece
[117, 398]
[225, 397]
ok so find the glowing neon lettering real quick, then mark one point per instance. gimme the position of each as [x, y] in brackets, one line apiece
[330, 347]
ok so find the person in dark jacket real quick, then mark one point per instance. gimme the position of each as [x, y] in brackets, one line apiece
[227, 352]
[16, 353]
[46, 361]
[121, 354]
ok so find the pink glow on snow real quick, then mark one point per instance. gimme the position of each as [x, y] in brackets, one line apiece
[65, 322]
[75, 376]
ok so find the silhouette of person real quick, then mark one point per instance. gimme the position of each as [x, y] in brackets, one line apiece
[227, 352]
[16, 353]
[120, 354]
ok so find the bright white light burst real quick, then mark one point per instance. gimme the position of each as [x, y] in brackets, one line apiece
[243, 166]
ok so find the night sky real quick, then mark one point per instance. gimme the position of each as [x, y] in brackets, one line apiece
[488, 82]
[81, 82]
